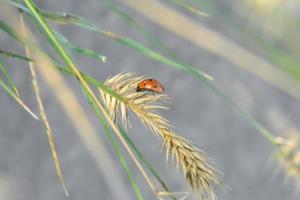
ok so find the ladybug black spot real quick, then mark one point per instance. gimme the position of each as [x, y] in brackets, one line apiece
[155, 86]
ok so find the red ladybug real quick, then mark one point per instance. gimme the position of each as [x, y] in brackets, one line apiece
[151, 85]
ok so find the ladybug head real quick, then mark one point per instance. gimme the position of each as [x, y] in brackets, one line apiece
[138, 89]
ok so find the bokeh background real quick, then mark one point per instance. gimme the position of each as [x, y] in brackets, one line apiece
[269, 29]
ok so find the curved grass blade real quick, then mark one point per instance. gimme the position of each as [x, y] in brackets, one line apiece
[82, 51]
[116, 148]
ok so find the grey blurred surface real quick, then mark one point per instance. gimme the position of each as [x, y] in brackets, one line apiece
[238, 150]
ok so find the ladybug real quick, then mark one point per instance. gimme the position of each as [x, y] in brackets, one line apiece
[151, 85]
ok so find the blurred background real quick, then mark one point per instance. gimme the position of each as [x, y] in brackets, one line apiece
[251, 48]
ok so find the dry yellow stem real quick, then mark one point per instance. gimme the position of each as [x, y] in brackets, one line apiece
[42, 111]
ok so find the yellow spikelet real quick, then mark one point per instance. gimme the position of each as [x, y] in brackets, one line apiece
[196, 167]
[288, 153]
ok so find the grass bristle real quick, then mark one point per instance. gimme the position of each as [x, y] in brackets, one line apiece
[145, 105]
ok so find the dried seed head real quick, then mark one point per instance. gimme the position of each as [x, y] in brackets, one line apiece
[288, 153]
[198, 172]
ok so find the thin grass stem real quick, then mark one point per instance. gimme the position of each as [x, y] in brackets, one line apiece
[43, 114]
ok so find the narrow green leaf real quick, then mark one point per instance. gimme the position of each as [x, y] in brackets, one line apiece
[14, 55]
[146, 162]
[10, 92]
[12, 33]
[6, 28]
[190, 8]
[8, 78]
[116, 148]
[153, 39]
[82, 51]
[261, 129]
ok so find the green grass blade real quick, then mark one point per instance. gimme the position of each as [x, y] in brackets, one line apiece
[190, 8]
[8, 90]
[50, 34]
[280, 58]
[116, 148]
[14, 55]
[11, 93]
[261, 129]
[7, 29]
[82, 51]
[17, 99]
[153, 39]
[12, 33]
[109, 4]
[146, 162]
[8, 78]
